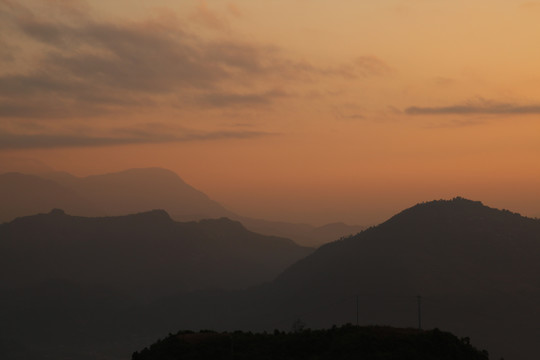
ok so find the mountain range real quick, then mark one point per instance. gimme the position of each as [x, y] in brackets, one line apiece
[147, 254]
[138, 190]
[82, 282]
[453, 264]
[471, 269]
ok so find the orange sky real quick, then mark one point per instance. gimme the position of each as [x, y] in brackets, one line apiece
[291, 110]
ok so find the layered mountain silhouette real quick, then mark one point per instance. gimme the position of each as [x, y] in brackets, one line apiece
[22, 195]
[81, 283]
[477, 270]
[138, 190]
[146, 254]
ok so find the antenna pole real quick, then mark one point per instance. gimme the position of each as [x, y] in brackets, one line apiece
[419, 298]
[356, 310]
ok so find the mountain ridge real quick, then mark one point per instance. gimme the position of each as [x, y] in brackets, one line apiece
[467, 261]
[145, 242]
[136, 190]
[475, 269]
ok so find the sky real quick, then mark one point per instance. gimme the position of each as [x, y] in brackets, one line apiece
[298, 110]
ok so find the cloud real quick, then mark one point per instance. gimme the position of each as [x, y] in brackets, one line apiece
[93, 67]
[456, 123]
[6, 51]
[151, 57]
[443, 81]
[530, 5]
[234, 10]
[69, 67]
[10, 140]
[477, 107]
[100, 65]
[205, 16]
[361, 67]
[348, 112]
[371, 65]
[245, 99]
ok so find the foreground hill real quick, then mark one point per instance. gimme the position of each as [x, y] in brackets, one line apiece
[146, 253]
[139, 190]
[346, 342]
[476, 268]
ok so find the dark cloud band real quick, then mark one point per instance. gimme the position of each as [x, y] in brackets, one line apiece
[89, 67]
[48, 141]
[485, 108]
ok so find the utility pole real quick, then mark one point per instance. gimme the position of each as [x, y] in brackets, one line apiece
[419, 298]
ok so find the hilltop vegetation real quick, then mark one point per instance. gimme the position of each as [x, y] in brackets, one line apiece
[345, 342]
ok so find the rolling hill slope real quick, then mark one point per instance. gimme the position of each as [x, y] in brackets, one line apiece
[477, 270]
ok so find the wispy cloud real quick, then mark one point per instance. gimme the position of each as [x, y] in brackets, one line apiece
[74, 70]
[9, 140]
[477, 107]
[218, 99]
[205, 16]
[86, 67]
[530, 5]
[348, 111]
[372, 65]
[234, 10]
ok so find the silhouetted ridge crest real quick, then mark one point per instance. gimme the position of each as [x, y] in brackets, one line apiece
[157, 215]
[155, 172]
[336, 343]
[137, 190]
[458, 234]
[146, 217]
[454, 212]
[147, 254]
[477, 268]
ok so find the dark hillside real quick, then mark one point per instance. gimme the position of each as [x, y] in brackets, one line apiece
[146, 253]
[81, 283]
[472, 246]
[346, 342]
[476, 268]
